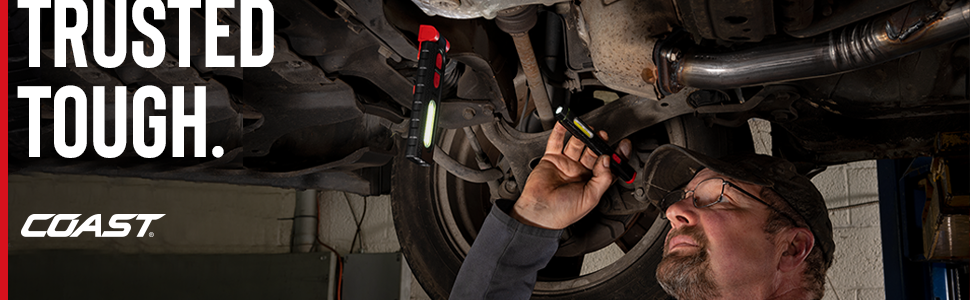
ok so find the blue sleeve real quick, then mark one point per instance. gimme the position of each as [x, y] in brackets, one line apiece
[504, 258]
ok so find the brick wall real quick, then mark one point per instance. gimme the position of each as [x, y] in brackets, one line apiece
[857, 273]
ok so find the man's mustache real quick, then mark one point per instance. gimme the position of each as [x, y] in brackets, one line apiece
[693, 232]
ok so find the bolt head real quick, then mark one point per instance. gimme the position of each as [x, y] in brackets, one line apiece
[511, 186]
[468, 113]
[673, 54]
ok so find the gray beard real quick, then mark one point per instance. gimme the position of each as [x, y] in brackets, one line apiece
[688, 277]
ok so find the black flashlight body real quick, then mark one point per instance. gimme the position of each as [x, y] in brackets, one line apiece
[582, 131]
[432, 57]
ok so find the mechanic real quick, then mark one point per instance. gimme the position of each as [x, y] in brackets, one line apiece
[742, 228]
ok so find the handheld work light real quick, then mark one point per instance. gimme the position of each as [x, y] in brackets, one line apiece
[432, 48]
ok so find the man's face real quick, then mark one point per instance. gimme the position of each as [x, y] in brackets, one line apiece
[720, 251]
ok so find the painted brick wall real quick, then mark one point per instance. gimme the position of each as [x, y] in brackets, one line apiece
[857, 273]
[337, 227]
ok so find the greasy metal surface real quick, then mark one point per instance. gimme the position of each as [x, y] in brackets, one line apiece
[454, 115]
[537, 87]
[577, 39]
[473, 9]
[519, 148]
[734, 21]
[797, 14]
[637, 113]
[370, 13]
[478, 73]
[518, 19]
[621, 39]
[844, 13]
[344, 47]
[461, 171]
[301, 109]
[849, 49]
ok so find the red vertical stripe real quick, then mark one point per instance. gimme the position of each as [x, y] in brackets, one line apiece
[4, 52]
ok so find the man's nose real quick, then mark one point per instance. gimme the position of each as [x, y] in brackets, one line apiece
[682, 213]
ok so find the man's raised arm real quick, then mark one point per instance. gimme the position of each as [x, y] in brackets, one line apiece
[517, 240]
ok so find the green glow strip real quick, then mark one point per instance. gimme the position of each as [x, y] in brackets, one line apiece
[429, 121]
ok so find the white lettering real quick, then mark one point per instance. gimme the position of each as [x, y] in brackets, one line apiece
[155, 122]
[113, 223]
[148, 218]
[62, 33]
[212, 33]
[121, 34]
[80, 121]
[52, 230]
[184, 7]
[121, 122]
[33, 95]
[158, 41]
[247, 59]
[26, 232]
[92, 224]
[180, 121]
[33, 30]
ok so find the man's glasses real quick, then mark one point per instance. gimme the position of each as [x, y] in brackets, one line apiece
[709, 192]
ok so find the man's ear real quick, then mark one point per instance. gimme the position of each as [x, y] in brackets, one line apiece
[799, 244]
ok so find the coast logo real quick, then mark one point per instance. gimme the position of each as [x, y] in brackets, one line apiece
[92, 224]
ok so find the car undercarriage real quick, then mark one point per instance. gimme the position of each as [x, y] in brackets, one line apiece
[840, 81]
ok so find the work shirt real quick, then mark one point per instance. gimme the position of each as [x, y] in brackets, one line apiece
[504, 258]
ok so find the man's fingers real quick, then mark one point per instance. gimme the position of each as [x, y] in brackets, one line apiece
[574, 148]
[589, 159]
[624, 148]
[554, 144]
[602, 178]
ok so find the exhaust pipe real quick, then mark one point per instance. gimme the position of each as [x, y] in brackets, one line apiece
[854, 47]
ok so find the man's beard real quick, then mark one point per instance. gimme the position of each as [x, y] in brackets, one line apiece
[687, 276]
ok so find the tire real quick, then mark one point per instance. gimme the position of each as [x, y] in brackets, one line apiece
[425, 225]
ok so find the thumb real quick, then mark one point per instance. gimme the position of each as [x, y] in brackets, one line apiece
[602, 178]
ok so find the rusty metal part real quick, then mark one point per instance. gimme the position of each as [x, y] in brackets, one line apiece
[952, 143]
[843, 13]
[518, 19]
[517, 22]
[489, 9]
[733, 21]
[863, 45]
[620, 36]
[537, 87]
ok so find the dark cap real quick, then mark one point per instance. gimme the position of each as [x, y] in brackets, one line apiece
[671, 167]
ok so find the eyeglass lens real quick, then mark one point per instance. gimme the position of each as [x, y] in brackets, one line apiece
[704, 194]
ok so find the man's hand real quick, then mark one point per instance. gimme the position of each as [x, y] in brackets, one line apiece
[566, 184]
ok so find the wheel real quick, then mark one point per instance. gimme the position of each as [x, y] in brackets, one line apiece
[437, 217]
